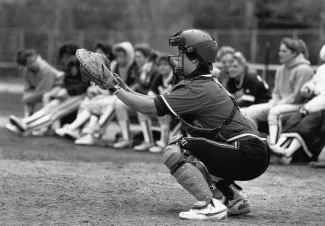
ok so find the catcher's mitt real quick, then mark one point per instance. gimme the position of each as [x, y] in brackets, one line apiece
[95, 66]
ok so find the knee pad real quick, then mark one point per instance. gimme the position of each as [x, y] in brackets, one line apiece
[190, 173]
[173, 157]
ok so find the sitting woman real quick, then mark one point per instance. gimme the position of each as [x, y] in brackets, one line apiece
[147, 74]
[62, 100]
[162, 84]
[286, 98]
[303, 134]
[225, 57]
[100, 110]
[91, 107]
[244, 84]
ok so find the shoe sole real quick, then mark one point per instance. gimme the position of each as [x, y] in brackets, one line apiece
[217, 217]
[12, 130]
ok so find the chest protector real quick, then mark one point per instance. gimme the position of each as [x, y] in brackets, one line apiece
[193, 127]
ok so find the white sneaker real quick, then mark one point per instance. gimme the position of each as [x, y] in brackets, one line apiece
[40, 132]
[144, 146]
[61, 131]
[55, 125]
[13, 129]
[86, 140]
[123, 144]
[215, 212]
[18, 123]
[277, 150]
[158, 148]
[71, 133]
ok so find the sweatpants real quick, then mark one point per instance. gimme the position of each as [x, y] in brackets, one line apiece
[272, 114]
[54, 111]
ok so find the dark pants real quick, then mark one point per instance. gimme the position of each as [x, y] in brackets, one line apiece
[242, 160]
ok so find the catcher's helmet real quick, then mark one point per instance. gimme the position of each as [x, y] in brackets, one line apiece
[193, 40]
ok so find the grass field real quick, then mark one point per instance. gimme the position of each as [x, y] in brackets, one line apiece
[50, 181]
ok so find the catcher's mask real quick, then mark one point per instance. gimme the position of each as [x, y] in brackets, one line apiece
[192, 41]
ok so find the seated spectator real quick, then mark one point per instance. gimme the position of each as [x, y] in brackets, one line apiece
[105, 48]
[39, 78]
[286, 97]
[63, 100]
[147, 74]
[225, 57]
[161, 85]
[92, 107]
[303, 134]
[245, 85]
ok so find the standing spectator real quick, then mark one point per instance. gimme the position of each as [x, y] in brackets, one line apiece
[62, 100]
[286, 97]
[245, 85]
[39, 78]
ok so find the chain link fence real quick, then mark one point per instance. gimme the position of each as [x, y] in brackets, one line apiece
[259, 46]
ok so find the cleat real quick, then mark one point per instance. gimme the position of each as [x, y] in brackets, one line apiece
[214, 211]
[238, 207]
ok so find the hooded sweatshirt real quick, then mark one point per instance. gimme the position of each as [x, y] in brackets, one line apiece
[317, 85]
[289, 79]
[129, 72]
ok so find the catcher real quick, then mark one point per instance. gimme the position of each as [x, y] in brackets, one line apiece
[219, 145]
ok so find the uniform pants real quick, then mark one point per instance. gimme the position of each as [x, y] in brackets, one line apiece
[241, 160]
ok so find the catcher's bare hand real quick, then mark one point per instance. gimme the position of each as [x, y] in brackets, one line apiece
[121, 83]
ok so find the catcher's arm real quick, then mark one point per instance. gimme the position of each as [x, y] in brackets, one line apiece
[141, 103]
[120, 81]
[96, 67]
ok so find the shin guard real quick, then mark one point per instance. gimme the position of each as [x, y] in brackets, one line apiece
[190, 173]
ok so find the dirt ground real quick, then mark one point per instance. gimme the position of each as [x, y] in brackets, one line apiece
[50, 181]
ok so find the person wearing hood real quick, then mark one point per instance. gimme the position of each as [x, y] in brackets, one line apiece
[303, 134]
[286, 97]
[124, 64]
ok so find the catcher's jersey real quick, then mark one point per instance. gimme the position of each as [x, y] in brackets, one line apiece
[202, 101]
